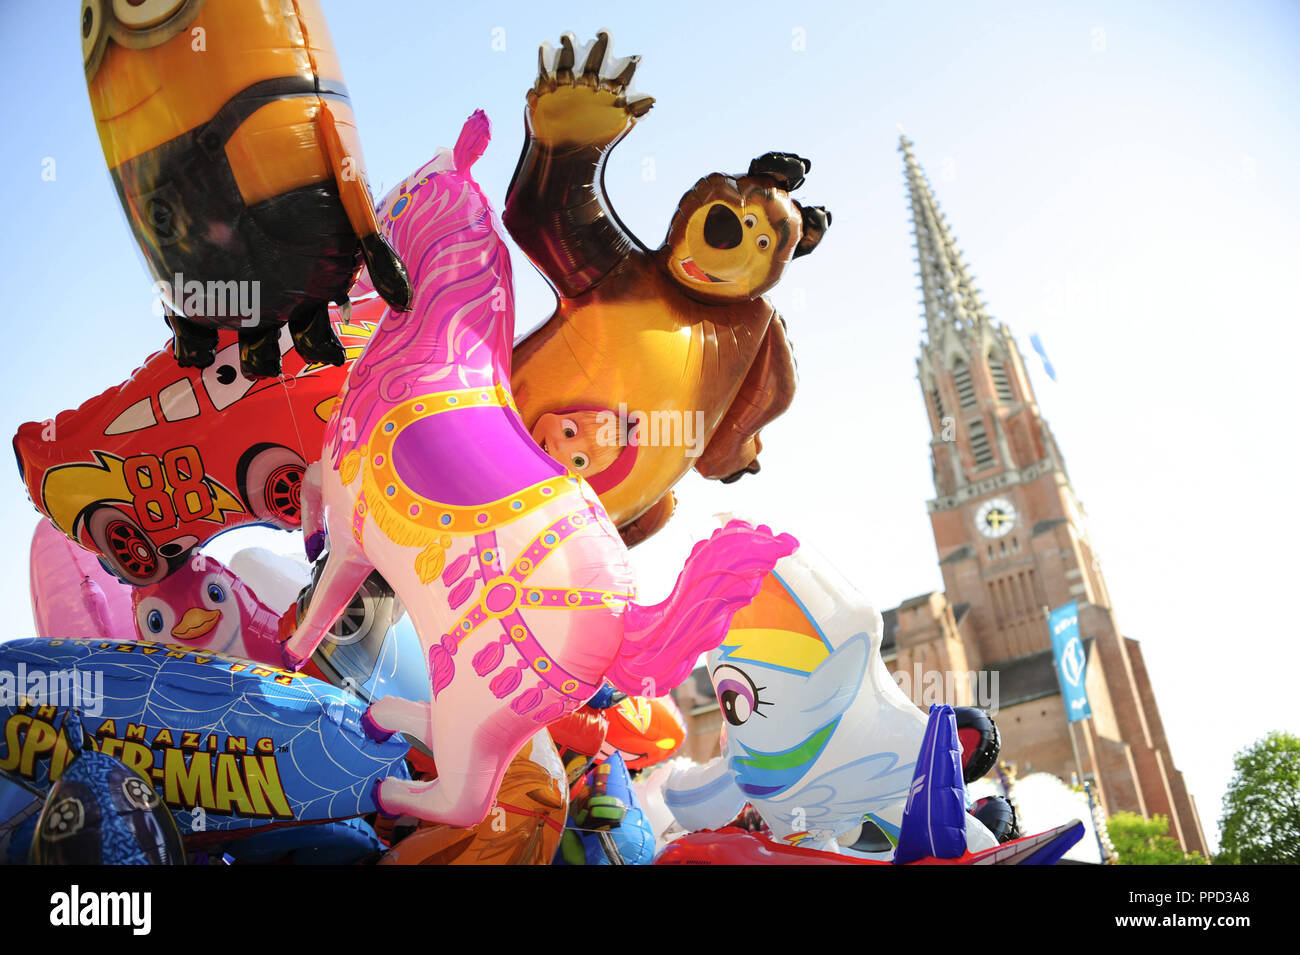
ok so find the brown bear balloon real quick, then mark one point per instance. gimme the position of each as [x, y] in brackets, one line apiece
[655, 361]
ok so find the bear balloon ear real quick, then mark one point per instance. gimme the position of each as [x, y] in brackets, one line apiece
[786, 168]
[816, 220]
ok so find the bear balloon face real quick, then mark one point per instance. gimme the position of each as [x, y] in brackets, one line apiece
[732, 238]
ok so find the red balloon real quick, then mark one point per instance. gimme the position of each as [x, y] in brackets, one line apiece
[155, 467]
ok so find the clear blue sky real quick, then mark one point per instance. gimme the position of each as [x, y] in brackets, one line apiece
[1120, 176]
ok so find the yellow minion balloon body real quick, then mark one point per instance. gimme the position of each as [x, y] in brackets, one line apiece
[230, 138]
[655, 361]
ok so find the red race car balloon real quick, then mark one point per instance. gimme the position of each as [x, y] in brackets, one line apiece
[153, 468]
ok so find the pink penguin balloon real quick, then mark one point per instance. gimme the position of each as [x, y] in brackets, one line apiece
[205, 606]
[517, 582]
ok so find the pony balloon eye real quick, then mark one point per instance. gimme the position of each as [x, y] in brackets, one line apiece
[737, 695]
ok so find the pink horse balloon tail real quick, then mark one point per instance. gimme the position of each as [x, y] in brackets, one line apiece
[517, 582]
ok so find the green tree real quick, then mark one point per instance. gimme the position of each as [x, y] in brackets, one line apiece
[1261, 809]
[1142, 841]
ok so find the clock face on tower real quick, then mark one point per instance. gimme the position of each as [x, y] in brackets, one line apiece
[995, 517]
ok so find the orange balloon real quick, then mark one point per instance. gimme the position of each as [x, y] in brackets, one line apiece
[231, 141]
[523, 827]
[646, 731]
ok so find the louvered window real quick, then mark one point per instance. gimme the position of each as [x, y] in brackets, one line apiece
[979, 445]
[965, 388]
[1000, 383]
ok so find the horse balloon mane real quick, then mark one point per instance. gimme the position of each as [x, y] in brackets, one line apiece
[517, 582]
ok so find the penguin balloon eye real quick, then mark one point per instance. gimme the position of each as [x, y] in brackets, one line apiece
[216, 594]
[750, 221]
[154, 621]
[764, 242]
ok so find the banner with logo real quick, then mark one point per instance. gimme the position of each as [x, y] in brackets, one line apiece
[1071, 660]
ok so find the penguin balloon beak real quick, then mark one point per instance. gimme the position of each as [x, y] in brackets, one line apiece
[196, 623]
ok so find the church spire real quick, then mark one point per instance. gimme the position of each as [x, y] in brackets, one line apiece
[981, 404]
[950, 297]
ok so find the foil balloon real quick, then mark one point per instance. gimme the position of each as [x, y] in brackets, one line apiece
[204, 606]
[935, 828]
[231, 747]
[102, 812]
[72, 595]
[579, 736]
[649, 786]
[346, 842]
[654, 362]
[230, 138]
[607, 825]
[276, 579]
[516, 580]
[644, 731]
[734, 846]
[523, 828]
[157, 466]
[20, 809]
[371, 650]
[819, 737]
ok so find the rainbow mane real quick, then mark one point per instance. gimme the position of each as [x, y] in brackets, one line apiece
[789, 639]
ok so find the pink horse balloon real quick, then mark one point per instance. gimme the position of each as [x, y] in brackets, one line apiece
[517, 582]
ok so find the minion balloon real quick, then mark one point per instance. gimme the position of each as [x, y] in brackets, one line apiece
[230, 138]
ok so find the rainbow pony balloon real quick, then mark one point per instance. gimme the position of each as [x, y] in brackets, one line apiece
[819, 737]
[516, 580]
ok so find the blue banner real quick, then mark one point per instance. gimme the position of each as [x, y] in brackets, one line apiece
[1071, 660]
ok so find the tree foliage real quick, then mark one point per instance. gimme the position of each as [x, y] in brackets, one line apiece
[1140, 841]
[1261, 809]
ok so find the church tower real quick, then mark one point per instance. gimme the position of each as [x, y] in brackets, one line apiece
[1012, 540]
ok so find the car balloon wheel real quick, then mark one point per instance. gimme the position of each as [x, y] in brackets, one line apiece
[131, 549]
[284, 493]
